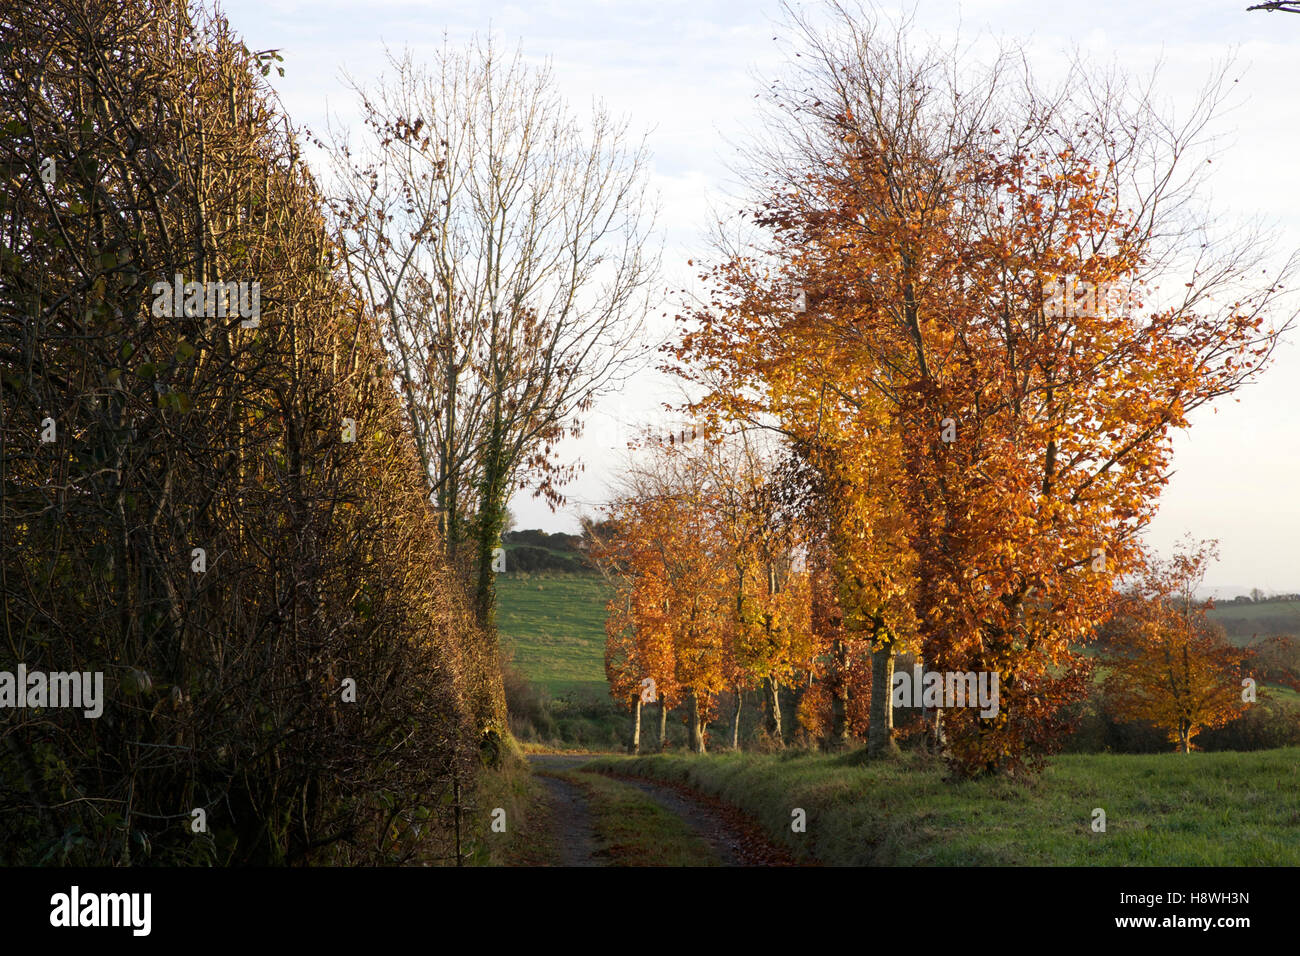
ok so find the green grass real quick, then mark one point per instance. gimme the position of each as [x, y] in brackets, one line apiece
[1202, 809]
[1246, 623]
[529, 836]
[1284, 695]
[555, 626]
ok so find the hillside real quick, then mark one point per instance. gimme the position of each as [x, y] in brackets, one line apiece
[554, 624]
[1249, 621]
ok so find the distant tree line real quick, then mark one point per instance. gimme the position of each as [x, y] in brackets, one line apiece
[1256, 596]
[536, 550]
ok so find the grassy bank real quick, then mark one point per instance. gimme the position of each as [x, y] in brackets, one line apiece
[528, 839]
[1202, 809]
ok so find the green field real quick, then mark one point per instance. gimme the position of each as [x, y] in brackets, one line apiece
[554, 624]
[1246, 623]
[1200, 809]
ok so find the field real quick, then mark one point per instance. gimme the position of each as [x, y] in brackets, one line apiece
[554, 624]
[1211, 809]
[1245, 623]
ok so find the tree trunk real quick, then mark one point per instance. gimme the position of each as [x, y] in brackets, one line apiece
[696, 724]
[448, 494]
[634, 747]
[735, 723]
[880, 734]
[491, 519]
[839, 738]
[493, 492]
[935, 734]
[663, 723]
[936, 740]
[799, 691]
[772, 723]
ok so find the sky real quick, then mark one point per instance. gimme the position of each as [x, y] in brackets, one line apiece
[686, 74]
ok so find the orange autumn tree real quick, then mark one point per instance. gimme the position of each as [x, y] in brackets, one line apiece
[770, 634]
[813, 713]
[928, 223]
[874, 565]
[1173, 668]
[639, 639]
[868, 393]
[672, 592]
[700, 549]
[639, 663]
[859, 551]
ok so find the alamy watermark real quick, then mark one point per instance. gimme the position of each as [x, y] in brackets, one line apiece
[75, 909]
[1079, 299]
[208, 299]
[78, 689]
[947, 689]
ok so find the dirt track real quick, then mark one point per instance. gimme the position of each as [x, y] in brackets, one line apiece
[734, 840]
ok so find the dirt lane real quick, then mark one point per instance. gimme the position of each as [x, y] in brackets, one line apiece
[575, 839]
[733, 839]
[722, 839]
[561, 762]
[572, 830]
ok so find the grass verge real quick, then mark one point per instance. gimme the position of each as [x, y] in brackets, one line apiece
[528, 839]
[1201, 809]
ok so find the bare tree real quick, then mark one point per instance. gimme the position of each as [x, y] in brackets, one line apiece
[506, 247]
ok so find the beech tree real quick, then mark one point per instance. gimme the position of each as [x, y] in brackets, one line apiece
[639, 653]
[1174, 668]
[924, 238]
[707, 600]
[770, 634]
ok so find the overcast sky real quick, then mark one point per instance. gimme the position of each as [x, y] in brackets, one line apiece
[687, 73]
